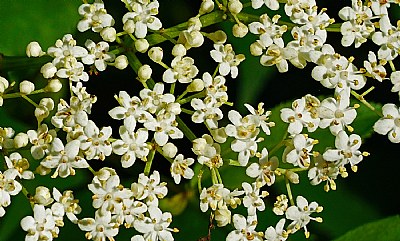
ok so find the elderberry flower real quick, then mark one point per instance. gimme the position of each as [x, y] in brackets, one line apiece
[133, 145]
[192, 37]
[281, 204]
[94, 142]
[98, 55]
[253, 198]
[66, 50]
[99, 228]
[389, 123]
[347, 150]
[3, 86]
[180, 168]
[16, 162]
[73, 70]
[182, 70]
[323, 171]
[95, 16]
[271, 4]
[276, 55]
[299, 152]
[207, 151]
[227, 60]
[41, 226]
[395, 79]
[149, 189]
[8, 187]
[375, 69]
[336, 113]
[245, 229]
[155, 227]
[69, 204]
[388, 38]
[142, 15]
[300, 11]
[278, 233]
[264, 170]
[300, 215]
[213, 197]
[6, 135]
[64, 159]
[262, 116]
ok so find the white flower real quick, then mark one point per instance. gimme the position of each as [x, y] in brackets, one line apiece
[95, 16]
[41, 226]
[98, 55]
[280, 205]
[300, 11]
[264, 171]
[155, 227]
[323, 171]
[143, 17]
[389, 123]
[271, 4]
[8, 186]
[73, 70]
[245, 229]
[300, 116]
[180, 167]
[375, 69]
[395, 79]
[132, 211]
[216, 88]
[64, 159]
[42, 196]
[149, 189]
[3, 86]
[228, 61]
[66, 50]
[108, 194]
[213, 197]
[133, 145]
[69, 116]
[41, 140]
[262, 116]
[388, 39]
[253, 199]
[94, 142]
[207, 151]
[70, 205]
[164, 126]
[336, 113]
[16, 162]
[347, 150]
[206, 111]
[182, 70]
[299, 154]
[358, 26]
[26, 87]
[300, 215]
[276, 55]
[278, 233]
[268, 29]
[192, 37]
[34, 50]
[99, 228]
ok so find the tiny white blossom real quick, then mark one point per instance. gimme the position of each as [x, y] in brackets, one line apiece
[264, 170]
[278, 233]
[94, 142]
[253, 198]
[99, 228]
[228, 61]
[299, 153]
[41, 140]
[95, 16]
[180, 168]
[41, 226]
[151, 188]
[16, 162]
[245, 229]
[8, 187]
[98, 55]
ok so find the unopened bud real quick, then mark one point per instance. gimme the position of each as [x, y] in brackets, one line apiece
[42, 196]
[48, 70]
[235, 6]
[129, 26]
[34, 50]
[156, 54]
[169, 150]
[3, 84]
[141, 45]
[144, 72]
[108, 34]
[121, 62]
[206, 6]
[21, 140]
[256, 49]
[54, 85]
[26, 87]
[196, 85]
[179, 50]
[240, 30]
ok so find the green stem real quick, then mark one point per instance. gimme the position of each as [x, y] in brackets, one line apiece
[362, 100]
[190, 112]
[185, 129]
[135, 64]
[18, 94]
[149, 162]
[29, 100]
[289, 191]
[188, 99]
[15, 63]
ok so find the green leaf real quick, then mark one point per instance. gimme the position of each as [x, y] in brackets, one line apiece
[44, 21]
[387, 229]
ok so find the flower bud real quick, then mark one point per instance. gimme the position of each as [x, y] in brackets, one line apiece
[223, 217]
[256, 49]
[3, 84]
[129, 26]
[240, 30]
[196, 85]
[41, 113]
[169, 150]
[144, 72]
[206, 6]
[218, 37]
[109, 34]
[21, 140]
[48, 70]
[121, 62]
[156, 54]
[34, 50]
[42, 196]
[48, 103]
[54, 85]
[26, 87]
[179, 50]
[235, 6]
[141, 45]
[293, 177]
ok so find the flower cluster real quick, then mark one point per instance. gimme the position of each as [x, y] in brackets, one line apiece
[168, 106]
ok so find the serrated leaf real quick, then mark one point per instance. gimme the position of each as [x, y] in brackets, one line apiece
[387, 229]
